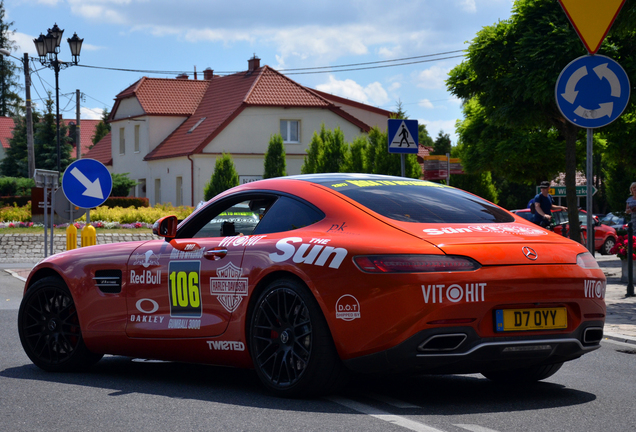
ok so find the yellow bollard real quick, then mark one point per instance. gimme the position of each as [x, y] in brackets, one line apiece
[71, 237]
[89, 236]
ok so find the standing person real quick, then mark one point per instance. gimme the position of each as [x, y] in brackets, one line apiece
[543, 205]
[630, 207]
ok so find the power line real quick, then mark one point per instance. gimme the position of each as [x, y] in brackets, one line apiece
[310, 70]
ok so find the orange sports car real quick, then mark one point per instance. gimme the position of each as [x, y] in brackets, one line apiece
[308, 278]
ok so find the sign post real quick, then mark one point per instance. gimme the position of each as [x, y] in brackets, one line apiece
[403, 138]
[592, 20]
[87, 183]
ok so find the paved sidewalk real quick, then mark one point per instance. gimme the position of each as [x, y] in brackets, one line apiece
[620, 322]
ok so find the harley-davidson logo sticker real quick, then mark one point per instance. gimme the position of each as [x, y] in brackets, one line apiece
[229, 287]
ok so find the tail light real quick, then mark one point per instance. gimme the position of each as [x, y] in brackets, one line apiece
[414, 263]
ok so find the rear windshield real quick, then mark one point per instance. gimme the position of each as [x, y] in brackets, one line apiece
[420, 201]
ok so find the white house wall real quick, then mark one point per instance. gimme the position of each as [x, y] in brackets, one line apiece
[251, 130]
[128, 107]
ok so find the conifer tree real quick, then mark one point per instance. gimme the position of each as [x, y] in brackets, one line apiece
[275, 164]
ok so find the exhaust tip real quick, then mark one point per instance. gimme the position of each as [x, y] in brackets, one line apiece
[592, 335]
[442, 342]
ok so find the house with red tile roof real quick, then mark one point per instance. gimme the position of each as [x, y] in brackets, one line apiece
[168, 133]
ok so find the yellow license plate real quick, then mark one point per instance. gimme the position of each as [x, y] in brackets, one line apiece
[531, 319]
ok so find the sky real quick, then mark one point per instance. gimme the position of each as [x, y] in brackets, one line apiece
[377, 52]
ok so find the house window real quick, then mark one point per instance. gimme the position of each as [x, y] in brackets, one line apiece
[136, 138]
[179, 191]
[122, 141]
[141, 188]
[157, 191]
[289, 130]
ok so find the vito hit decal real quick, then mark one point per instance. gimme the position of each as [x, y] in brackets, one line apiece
[469, 293]
[594, 289]
[229, 287]
[315, 252]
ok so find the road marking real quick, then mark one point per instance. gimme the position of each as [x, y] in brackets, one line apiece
[391, 401]
[383, 415]
[475, 428]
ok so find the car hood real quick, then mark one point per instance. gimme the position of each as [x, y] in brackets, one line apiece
[498, 243]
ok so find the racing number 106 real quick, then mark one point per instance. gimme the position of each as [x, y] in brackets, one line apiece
[184, 289]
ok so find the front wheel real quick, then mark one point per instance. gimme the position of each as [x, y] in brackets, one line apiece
[609, 243]
[290, 342]
[523, 375]
[49, 328]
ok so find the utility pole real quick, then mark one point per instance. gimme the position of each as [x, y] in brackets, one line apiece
[78, 141]
[29, 117]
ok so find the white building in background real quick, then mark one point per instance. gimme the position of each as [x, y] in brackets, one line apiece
[168, 133]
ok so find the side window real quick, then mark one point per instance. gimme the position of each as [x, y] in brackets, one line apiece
[287, 214]
[237, 219]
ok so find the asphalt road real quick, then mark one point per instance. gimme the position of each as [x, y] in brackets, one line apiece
[594, 393]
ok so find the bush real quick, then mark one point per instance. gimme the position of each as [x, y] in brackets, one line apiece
[15, 213]
[8, 186]
[121, 185]
[126, 202]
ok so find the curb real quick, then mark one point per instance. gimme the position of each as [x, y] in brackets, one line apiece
[617, 337]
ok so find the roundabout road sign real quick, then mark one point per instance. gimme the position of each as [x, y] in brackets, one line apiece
[87, 183]
[592, 91]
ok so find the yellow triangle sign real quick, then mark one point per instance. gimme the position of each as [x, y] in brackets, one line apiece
[592, 19]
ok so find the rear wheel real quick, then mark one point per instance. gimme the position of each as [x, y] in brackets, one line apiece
[608, 244]
[523, 375]
[49, 328]
[290, 342]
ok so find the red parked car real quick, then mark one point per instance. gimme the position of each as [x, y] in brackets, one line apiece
[604, 236]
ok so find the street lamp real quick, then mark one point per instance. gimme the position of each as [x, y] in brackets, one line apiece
[48, 47]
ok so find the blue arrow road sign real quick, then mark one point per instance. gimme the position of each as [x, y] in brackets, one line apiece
[592, 91]
[87, 183]
[403, 136]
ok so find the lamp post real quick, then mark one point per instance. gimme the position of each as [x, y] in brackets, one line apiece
[48, 47]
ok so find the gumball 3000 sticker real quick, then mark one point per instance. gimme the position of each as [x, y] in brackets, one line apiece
[347, 308]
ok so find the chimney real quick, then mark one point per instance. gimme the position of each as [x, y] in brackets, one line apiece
[208, 74]
[182, 76]
[253, 64]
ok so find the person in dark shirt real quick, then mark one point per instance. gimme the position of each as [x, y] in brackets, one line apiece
[543, 205]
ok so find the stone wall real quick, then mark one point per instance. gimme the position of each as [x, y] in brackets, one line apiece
[30, 247]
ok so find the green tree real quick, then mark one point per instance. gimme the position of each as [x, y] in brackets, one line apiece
[224, 177]
[332, 153]
[354, 161]
[101, 129]
[511, 69]
[275, 164]
[121, 184]
[311, 160]
[15, 162]
[46, 141]
[399, 113]
[11, 103]
[442, 144]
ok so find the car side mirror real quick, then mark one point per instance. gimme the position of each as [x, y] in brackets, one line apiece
[165, 227]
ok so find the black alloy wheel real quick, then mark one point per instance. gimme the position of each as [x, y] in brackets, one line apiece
[290, 343]
[49, 328]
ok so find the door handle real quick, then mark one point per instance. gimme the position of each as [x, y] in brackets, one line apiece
[215, 254]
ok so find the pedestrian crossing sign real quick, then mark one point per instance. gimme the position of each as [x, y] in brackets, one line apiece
[403, 136]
